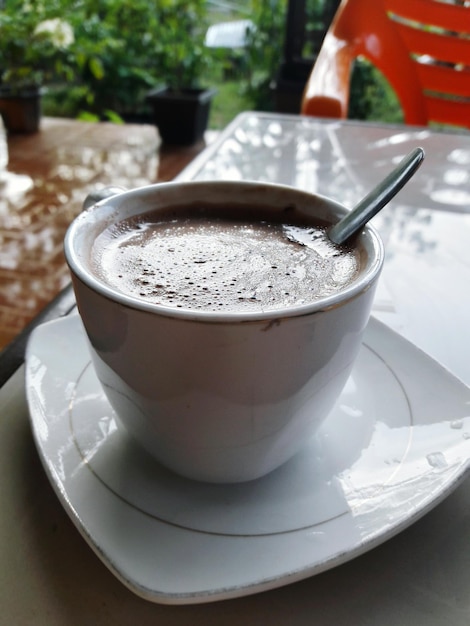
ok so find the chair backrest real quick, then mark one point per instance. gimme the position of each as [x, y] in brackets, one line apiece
[422, 47]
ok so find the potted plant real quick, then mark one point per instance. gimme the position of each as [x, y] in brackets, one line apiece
[113, 61]
[33, 52]
[181, 105]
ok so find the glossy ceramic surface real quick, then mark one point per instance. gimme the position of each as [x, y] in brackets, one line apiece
[397, 442]
[181, 379]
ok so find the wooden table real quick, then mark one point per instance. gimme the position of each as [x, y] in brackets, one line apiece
[49, 175]
[419, 577]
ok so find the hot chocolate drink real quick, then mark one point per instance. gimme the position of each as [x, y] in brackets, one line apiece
[257, 323]
[235, 260]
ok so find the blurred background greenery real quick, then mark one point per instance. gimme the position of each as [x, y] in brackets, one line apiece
[121, 50]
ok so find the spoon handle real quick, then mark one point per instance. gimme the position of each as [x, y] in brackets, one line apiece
[377, 198]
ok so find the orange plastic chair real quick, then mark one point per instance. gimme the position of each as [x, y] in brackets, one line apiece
[422, 47]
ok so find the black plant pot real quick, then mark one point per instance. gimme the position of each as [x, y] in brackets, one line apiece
[21, 112]
[181, 116]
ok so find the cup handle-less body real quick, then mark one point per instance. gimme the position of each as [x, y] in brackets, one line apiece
[212, 396]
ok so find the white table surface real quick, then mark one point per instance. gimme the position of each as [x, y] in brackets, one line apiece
[422, 576]
[425, 287]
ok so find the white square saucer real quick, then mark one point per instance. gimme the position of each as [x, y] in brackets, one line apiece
[397, 443]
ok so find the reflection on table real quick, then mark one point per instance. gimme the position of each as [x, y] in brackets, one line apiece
[340, 159]
[424, 290]
[44, 179]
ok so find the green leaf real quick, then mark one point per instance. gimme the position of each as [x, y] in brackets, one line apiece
[86, 116]
[113, 117]
[96, 68]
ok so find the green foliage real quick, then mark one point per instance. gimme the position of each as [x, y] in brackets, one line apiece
[119, 50]
[34, 44]
[372, 97]
[264, 50]
[228, 103]
[110, 54]
[178, 49]
[123, 49]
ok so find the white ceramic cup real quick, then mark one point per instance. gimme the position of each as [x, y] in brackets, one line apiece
[219, 397]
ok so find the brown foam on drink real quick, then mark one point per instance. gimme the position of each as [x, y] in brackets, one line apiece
[214, 263]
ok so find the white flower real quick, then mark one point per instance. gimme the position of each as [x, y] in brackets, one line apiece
[60, 32]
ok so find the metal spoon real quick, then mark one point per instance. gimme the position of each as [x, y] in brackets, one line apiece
[377, 198]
